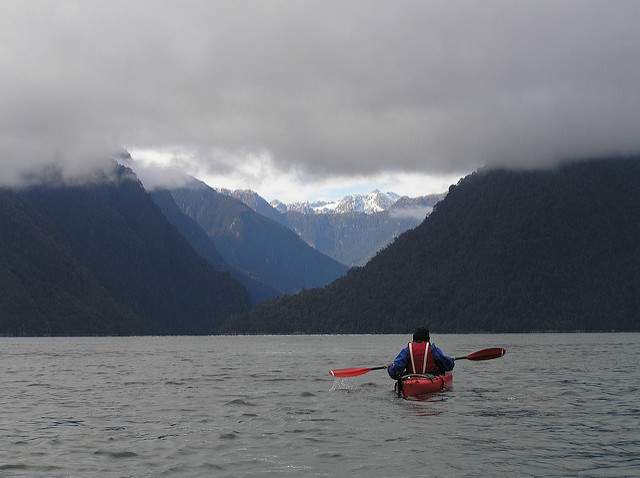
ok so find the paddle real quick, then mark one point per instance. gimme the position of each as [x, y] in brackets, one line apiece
[485, 354]
[353, 372]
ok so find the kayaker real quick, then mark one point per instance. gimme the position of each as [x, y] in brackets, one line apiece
[420, 356]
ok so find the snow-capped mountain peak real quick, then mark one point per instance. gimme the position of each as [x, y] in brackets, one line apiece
[367, 203]
[371, 203]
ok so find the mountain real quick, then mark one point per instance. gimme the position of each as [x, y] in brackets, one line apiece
[108, 246]
[255, 244]
[45, 290]
[203, 244]
[365, 203]
[505, 251]
[368, 204]
[255, 202]
[353, 238]
[351, 230]
[350, 238]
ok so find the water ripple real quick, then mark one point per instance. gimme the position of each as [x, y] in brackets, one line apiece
[214, 406]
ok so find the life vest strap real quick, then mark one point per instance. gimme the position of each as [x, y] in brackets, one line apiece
[424, 359]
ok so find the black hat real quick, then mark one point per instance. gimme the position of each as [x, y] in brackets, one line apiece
[421, 335]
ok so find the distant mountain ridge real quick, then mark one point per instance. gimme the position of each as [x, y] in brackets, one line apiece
[253, 243]
[351, 230]
[505, 251]
[256, 202]
[371, 203]
[204, 245]
[239, 232]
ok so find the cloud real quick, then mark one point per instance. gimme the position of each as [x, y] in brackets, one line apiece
[261, 173]
[157, 176]
[417, 212]
[318, 89]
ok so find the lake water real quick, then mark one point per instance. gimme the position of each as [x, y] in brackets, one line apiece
[555, 405]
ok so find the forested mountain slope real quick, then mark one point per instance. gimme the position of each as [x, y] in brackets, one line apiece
[504, 251]
[255, 244]
[111, 239]
[203, 245]
[44, 290]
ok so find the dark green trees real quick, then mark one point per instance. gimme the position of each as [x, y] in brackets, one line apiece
[504, 251]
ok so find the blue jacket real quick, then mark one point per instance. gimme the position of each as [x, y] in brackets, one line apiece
[401, 362]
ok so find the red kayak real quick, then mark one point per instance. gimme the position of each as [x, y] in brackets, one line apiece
[420, 384]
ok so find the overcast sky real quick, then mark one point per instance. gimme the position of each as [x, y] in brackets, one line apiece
[302, 99]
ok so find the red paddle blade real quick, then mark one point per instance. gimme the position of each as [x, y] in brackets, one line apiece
[352, 372]
[487, 354]
[349, 372]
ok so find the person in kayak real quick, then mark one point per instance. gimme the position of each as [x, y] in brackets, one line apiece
[420, 356]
